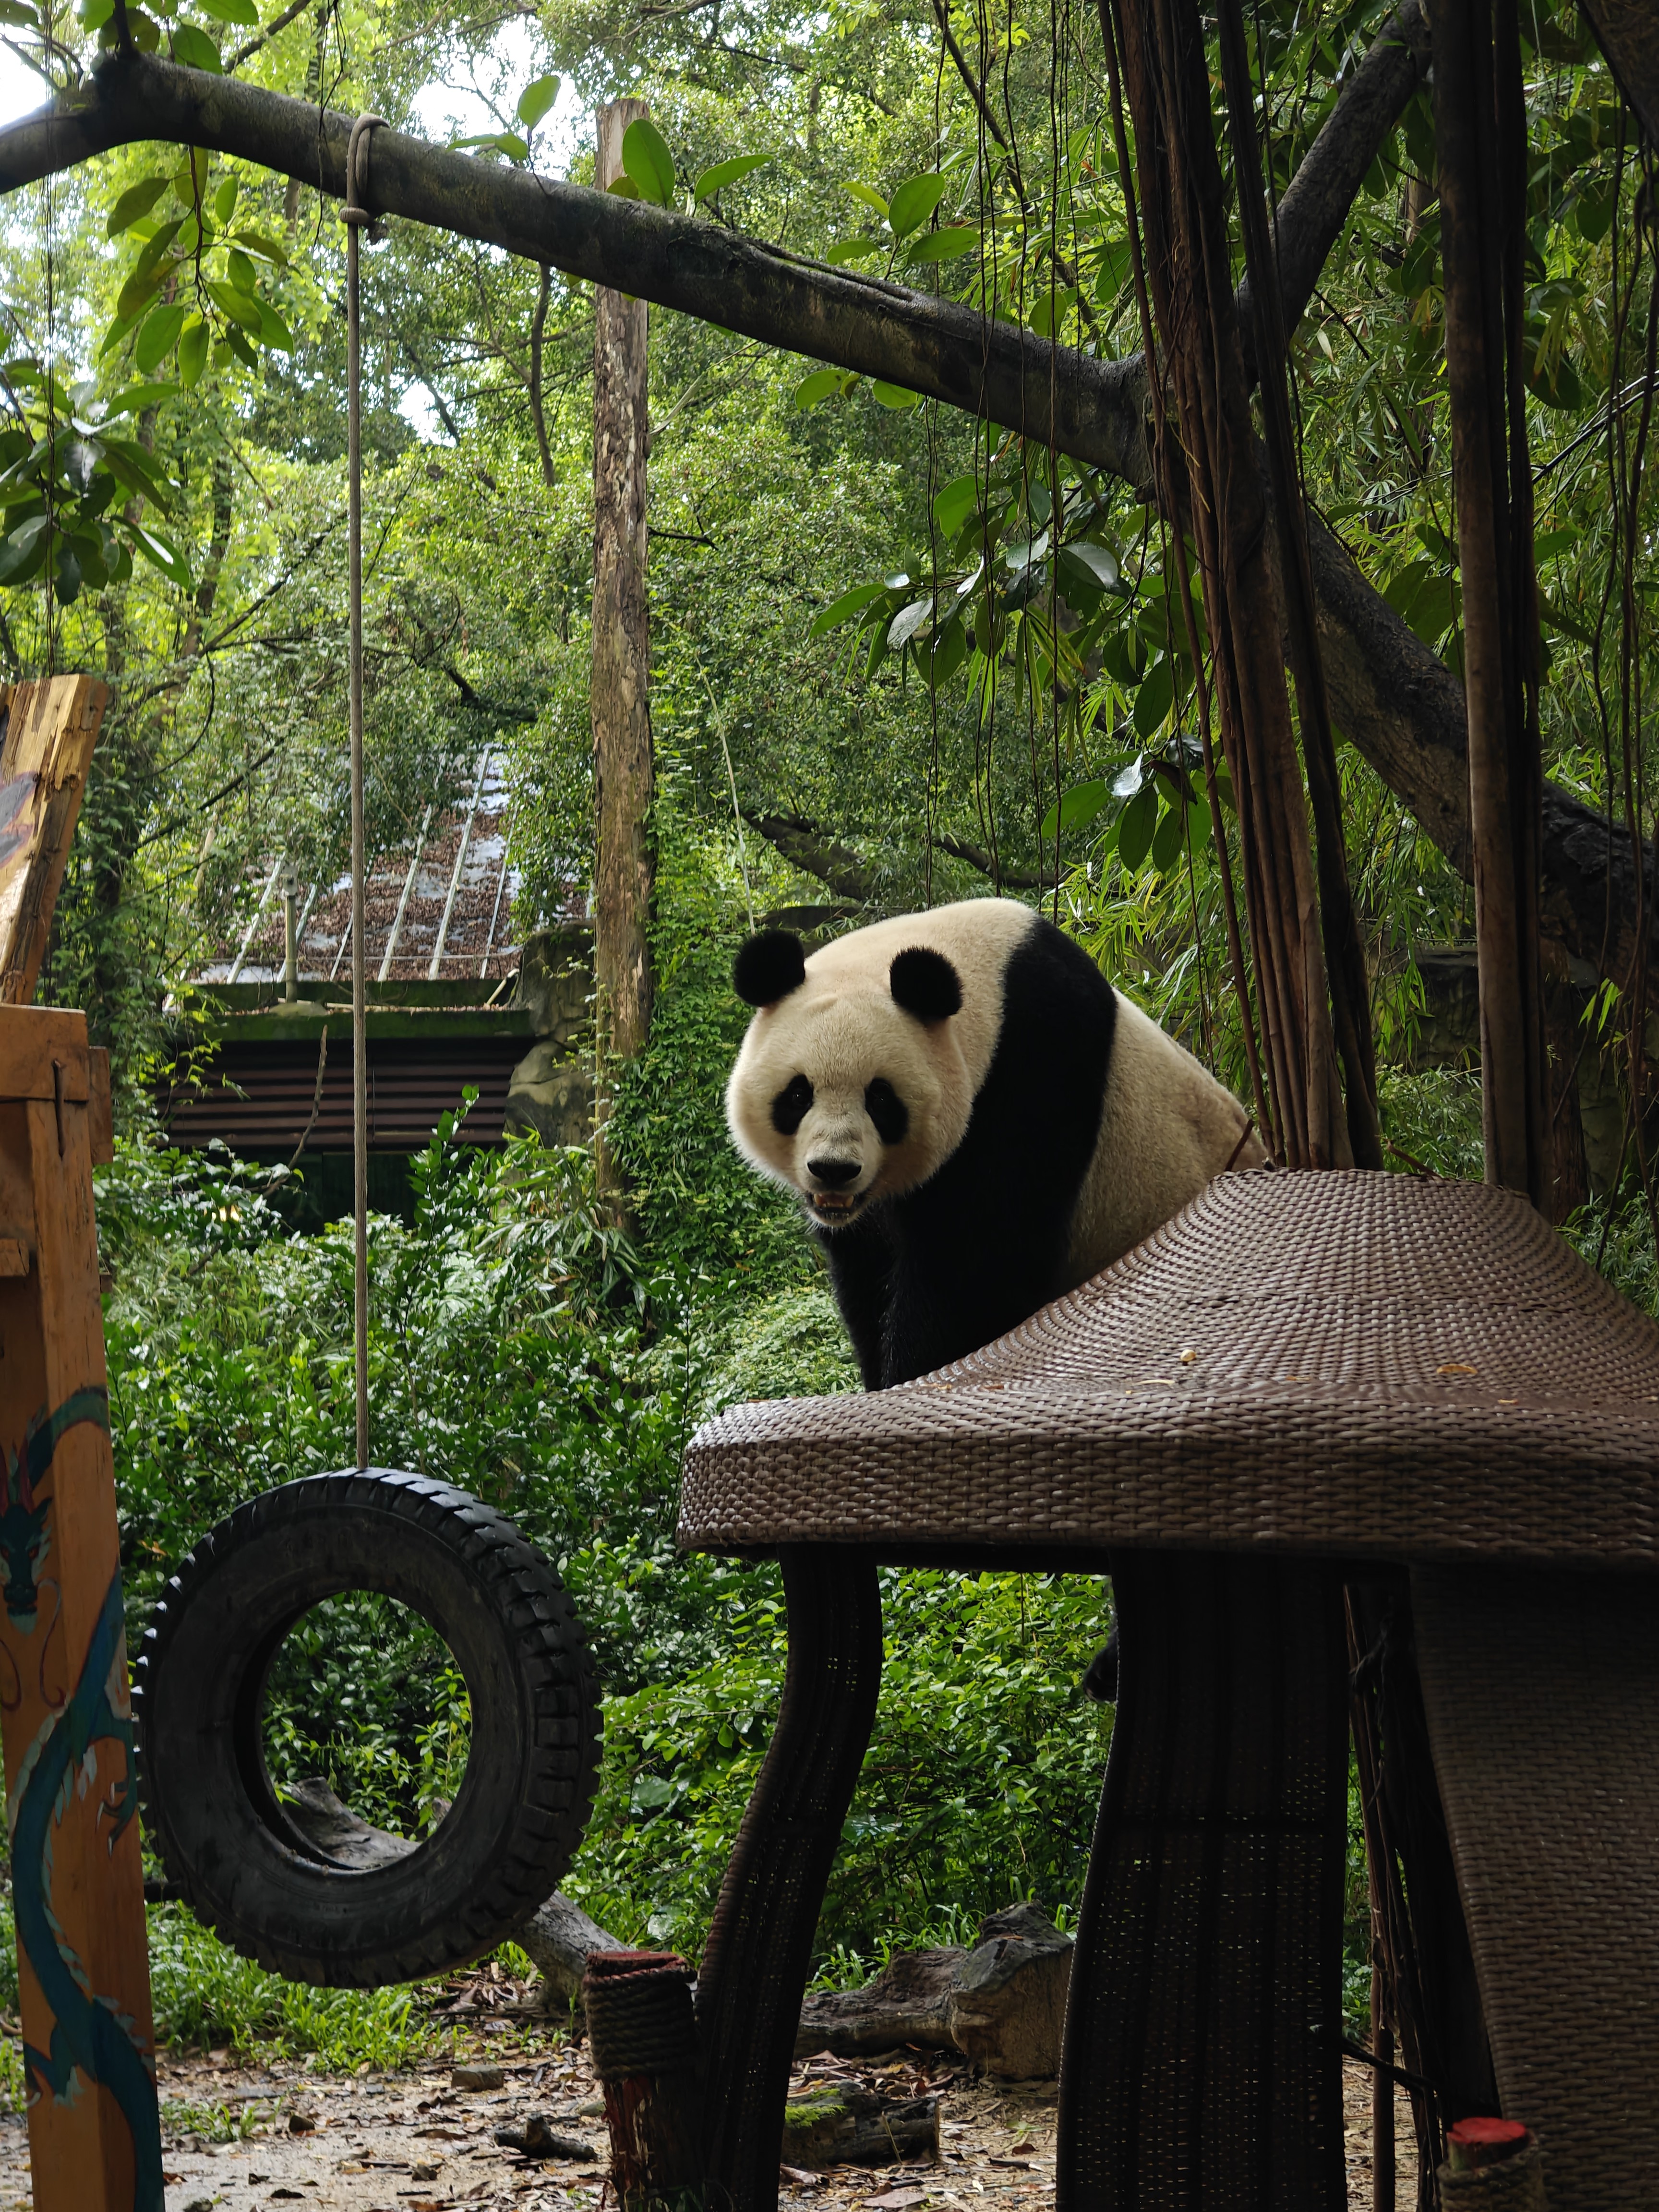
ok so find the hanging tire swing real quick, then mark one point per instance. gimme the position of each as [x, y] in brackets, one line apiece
[299, 1882]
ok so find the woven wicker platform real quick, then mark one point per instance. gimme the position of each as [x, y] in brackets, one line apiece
[1345, 1363]
[1298, 1375]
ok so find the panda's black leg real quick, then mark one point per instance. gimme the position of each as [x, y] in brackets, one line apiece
[860, 1262]
[1100, 1677]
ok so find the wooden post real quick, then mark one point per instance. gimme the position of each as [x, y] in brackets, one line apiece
[619, 700]
[77, 1883]
[46, 748]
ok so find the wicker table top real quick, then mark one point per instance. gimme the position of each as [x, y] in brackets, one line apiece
[1342, 1363]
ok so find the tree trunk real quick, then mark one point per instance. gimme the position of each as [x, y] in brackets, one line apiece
[620, 701]
[1188, 267]
[1480, 145]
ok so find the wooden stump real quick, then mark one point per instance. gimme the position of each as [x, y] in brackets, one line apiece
[643, 2043]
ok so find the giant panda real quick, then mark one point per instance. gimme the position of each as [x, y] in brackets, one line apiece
[973, 1120]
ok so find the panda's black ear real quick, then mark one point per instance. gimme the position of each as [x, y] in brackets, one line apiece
[770, 966]
[926, 985]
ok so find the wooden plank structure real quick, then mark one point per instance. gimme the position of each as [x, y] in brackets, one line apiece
[77, 1883]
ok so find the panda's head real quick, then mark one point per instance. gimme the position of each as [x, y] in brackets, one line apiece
[851, 1084]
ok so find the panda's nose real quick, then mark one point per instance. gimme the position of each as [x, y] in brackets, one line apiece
[833, 1174]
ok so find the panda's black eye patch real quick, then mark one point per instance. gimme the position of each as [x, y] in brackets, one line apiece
[887, 1110]
[791, 1105]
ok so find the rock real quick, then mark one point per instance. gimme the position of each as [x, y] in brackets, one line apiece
[302, 2124]
[556, 982]
[551, 1094]
[1007, 2003]
[840, 2123]
[477, 2077]
[908, 2002]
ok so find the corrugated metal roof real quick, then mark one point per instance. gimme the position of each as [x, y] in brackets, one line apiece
[411, 1083]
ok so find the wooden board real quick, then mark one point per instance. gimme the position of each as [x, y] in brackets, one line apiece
[50, 727]
[77, 1884]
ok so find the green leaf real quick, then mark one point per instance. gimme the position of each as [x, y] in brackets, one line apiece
[232, 11]
[134, 397]
[146, 30]
[1077, 809]
[1135, 826]
[20, 18]
[195, 50]
[870, 197]
[499, 142]
[192, 353]
[943, 245]
[266, 248]
[138, 291]
[1154, 699]
[727, 172]
[114, 335]
[647, 159]
[1168, 839]
[157, 338]
[95, 14]
[23, 552]
[895, 396]
[914, 201]
[236, 305]
[224, 200]
[162, 554]
[953, 506]
[239, 270]
[1099, 567]
[1199, 826]
[950, 650]
[238, 341]
[537, 96]
[906, 621]
[622, 188]
[1114, 270]
[273, 331]
[852, 249]
[843, 609]
[820, 384]
[134, 202]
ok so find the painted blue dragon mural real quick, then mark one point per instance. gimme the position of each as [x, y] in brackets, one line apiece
[91, 2040]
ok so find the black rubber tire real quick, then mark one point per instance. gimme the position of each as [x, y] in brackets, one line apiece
[243, 1865]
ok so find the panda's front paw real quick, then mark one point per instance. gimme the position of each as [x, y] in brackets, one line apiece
[1099, 1682]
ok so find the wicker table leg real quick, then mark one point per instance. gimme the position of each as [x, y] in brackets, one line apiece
[1542, 1692]
[755, 1967]
[1202, 2067]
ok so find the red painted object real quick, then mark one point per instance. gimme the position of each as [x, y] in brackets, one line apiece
[1477, 2143]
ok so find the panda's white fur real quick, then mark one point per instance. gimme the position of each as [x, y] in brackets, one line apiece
[1167, 1128]
[921, 1259]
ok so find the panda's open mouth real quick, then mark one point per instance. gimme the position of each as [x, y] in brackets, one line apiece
[834, 1204]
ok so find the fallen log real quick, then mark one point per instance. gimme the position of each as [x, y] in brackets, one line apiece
[557, 1938]
[1007, 2004]
[840, 2123]
[909, 2001]
[1002, 2004]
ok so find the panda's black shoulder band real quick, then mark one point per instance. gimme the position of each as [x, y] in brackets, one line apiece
[926, 984]
[770, 966]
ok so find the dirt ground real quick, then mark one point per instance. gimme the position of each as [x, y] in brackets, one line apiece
[412, 2142]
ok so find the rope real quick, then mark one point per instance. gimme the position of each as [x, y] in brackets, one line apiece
[355, 216]
[639, 2012]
